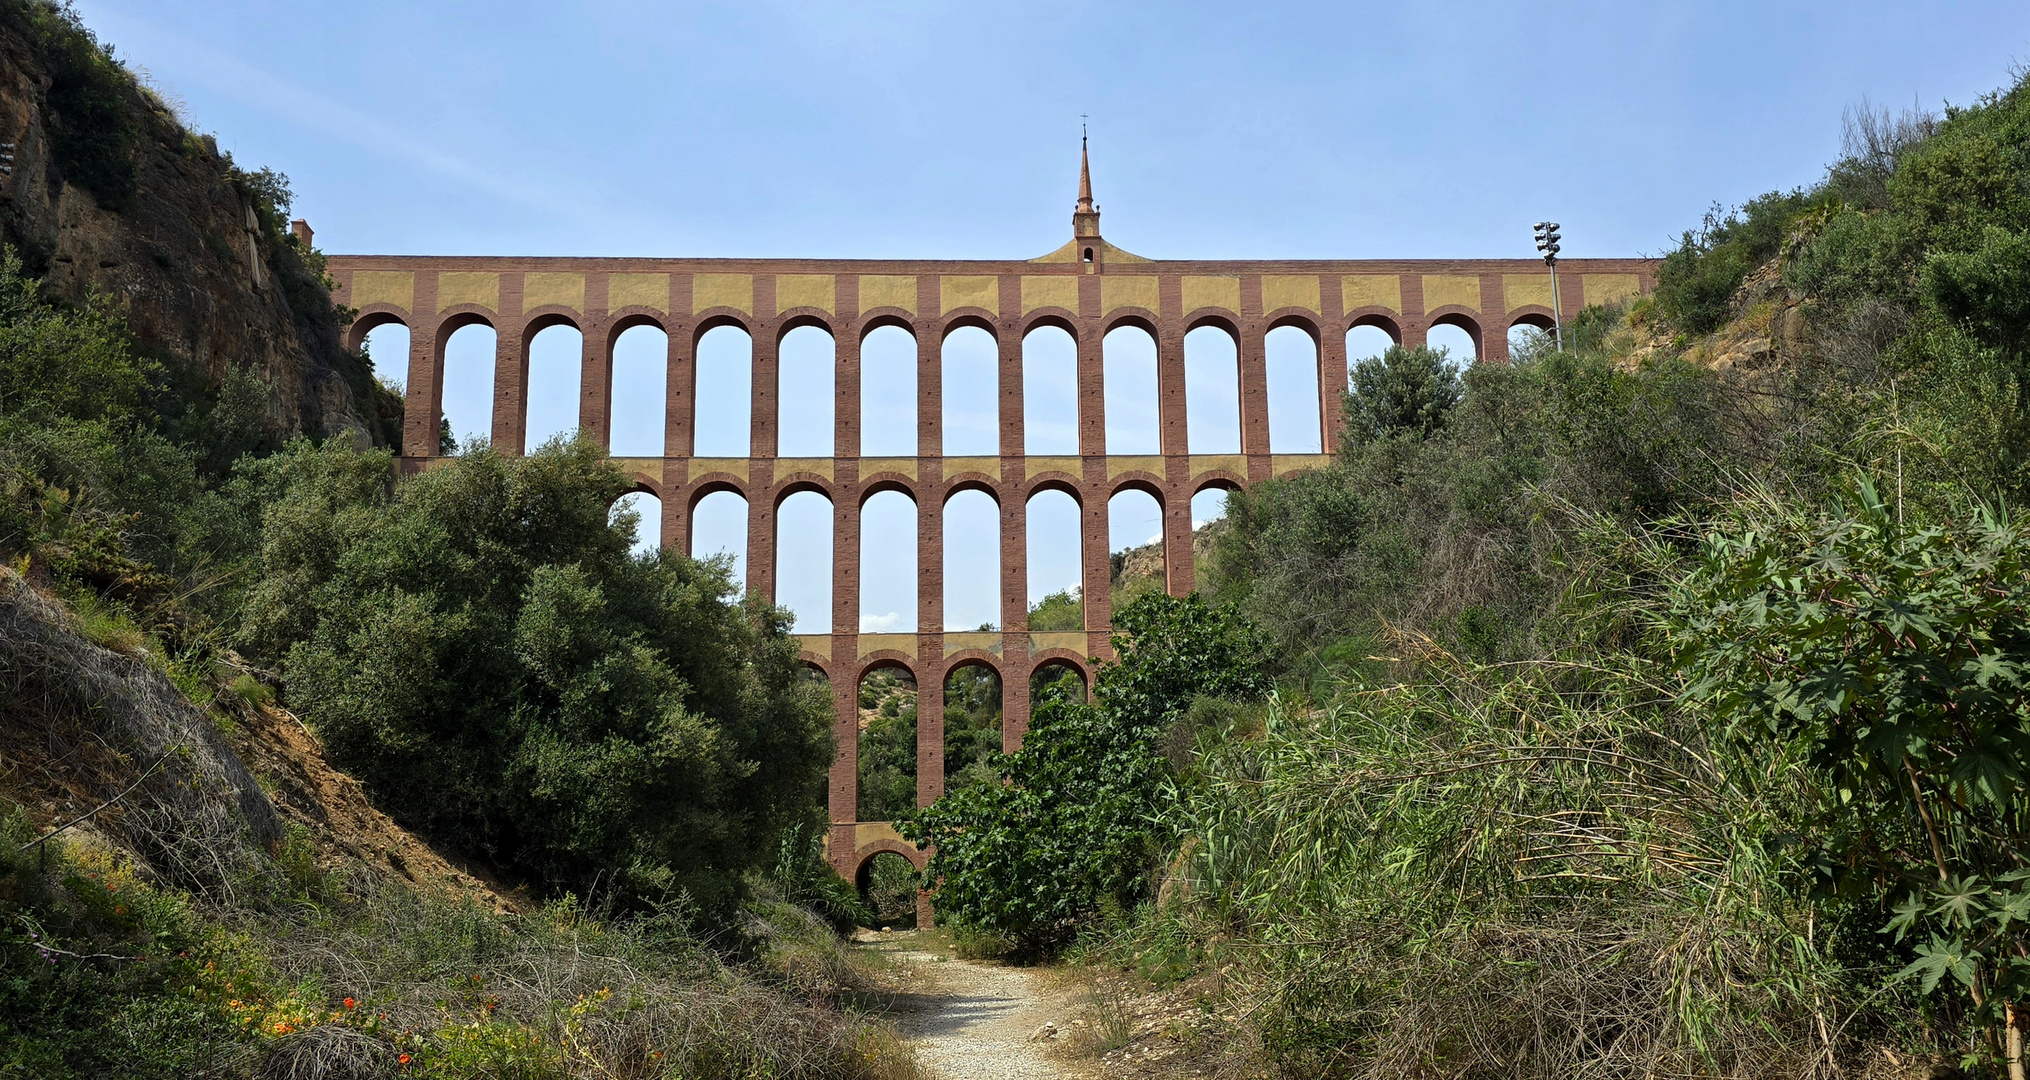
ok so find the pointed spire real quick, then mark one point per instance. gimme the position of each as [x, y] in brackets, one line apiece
[1085, 176]
[1085, 218]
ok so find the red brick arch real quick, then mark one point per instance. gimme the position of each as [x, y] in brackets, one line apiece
[1378, 317]
[961, 318]
[1218, 318]
[798, 318]
[1302, 318]
[797, 483]
[1067, 321]
[877, 318]
[1137, 317]
[865, 855]
[372, 317]
[887, 658]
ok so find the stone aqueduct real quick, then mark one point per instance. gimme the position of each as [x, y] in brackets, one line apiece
[1087, 287]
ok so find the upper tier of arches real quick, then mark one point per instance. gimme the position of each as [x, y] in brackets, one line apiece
[975, 402]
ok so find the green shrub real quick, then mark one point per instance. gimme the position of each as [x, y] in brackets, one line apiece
[1058, 612]
[1894, 660]
[481, 649]
[972, 726]
[887, 759]
[1696, 282]
[1080, 825]
[1407, 392]
[101, 973]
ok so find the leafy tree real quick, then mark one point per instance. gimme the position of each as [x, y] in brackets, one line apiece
[480, 648]
[972, 726]
[1057, 612]
[1403, 391]
[1896, 659]
[1078, 826]
[887, 759]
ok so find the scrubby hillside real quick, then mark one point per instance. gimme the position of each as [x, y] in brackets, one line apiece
[188, 887]
[307, 773]
[1653, 707]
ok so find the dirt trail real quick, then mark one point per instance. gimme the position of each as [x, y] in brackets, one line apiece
[975, 1021]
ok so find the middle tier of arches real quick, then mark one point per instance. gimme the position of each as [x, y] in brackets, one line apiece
[722, 385]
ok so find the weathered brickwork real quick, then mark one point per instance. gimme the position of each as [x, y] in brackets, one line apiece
[1088, 287]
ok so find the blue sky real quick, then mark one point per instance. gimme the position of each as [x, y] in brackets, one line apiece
[950, 130]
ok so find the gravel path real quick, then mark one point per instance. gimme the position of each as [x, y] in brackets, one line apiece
[975, 1021]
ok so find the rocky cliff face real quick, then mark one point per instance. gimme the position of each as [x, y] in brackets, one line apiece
[206, 273]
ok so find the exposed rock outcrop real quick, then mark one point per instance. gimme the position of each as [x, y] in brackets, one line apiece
[203, 279]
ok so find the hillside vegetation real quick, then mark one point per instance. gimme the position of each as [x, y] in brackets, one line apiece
[1654, 707]
[601, 772]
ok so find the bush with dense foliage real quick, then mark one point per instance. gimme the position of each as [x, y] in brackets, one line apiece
[887, 758]
[1404, 391]
[1078, 827]
[1893, 659]
[480, 647]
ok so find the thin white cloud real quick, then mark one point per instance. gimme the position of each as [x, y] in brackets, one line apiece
[195, 63]
[881, 624]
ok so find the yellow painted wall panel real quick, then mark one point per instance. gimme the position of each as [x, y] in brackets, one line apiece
[1053, 291]
[1138, 290]
[467, 287]
[887, 290]
[1357, 291]
[989, 465]
[1215, 292]
[822, 466]
[1205, 463]
[1121, 464]
[1443, 289]
[904, 465]
[734, 291]
[1285, 464]
[397, 287]
[1289, 290]
[738, 466]
[985, 641]
[1525, 289]
[804, 290]
[958, 292]
[1611, 288]
[562, 290]
[638, 290]
[902, 643]
[1073, 640]
[1037, 466]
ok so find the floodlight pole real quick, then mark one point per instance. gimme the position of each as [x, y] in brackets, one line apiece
[1557, 311]
[1547, 243]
